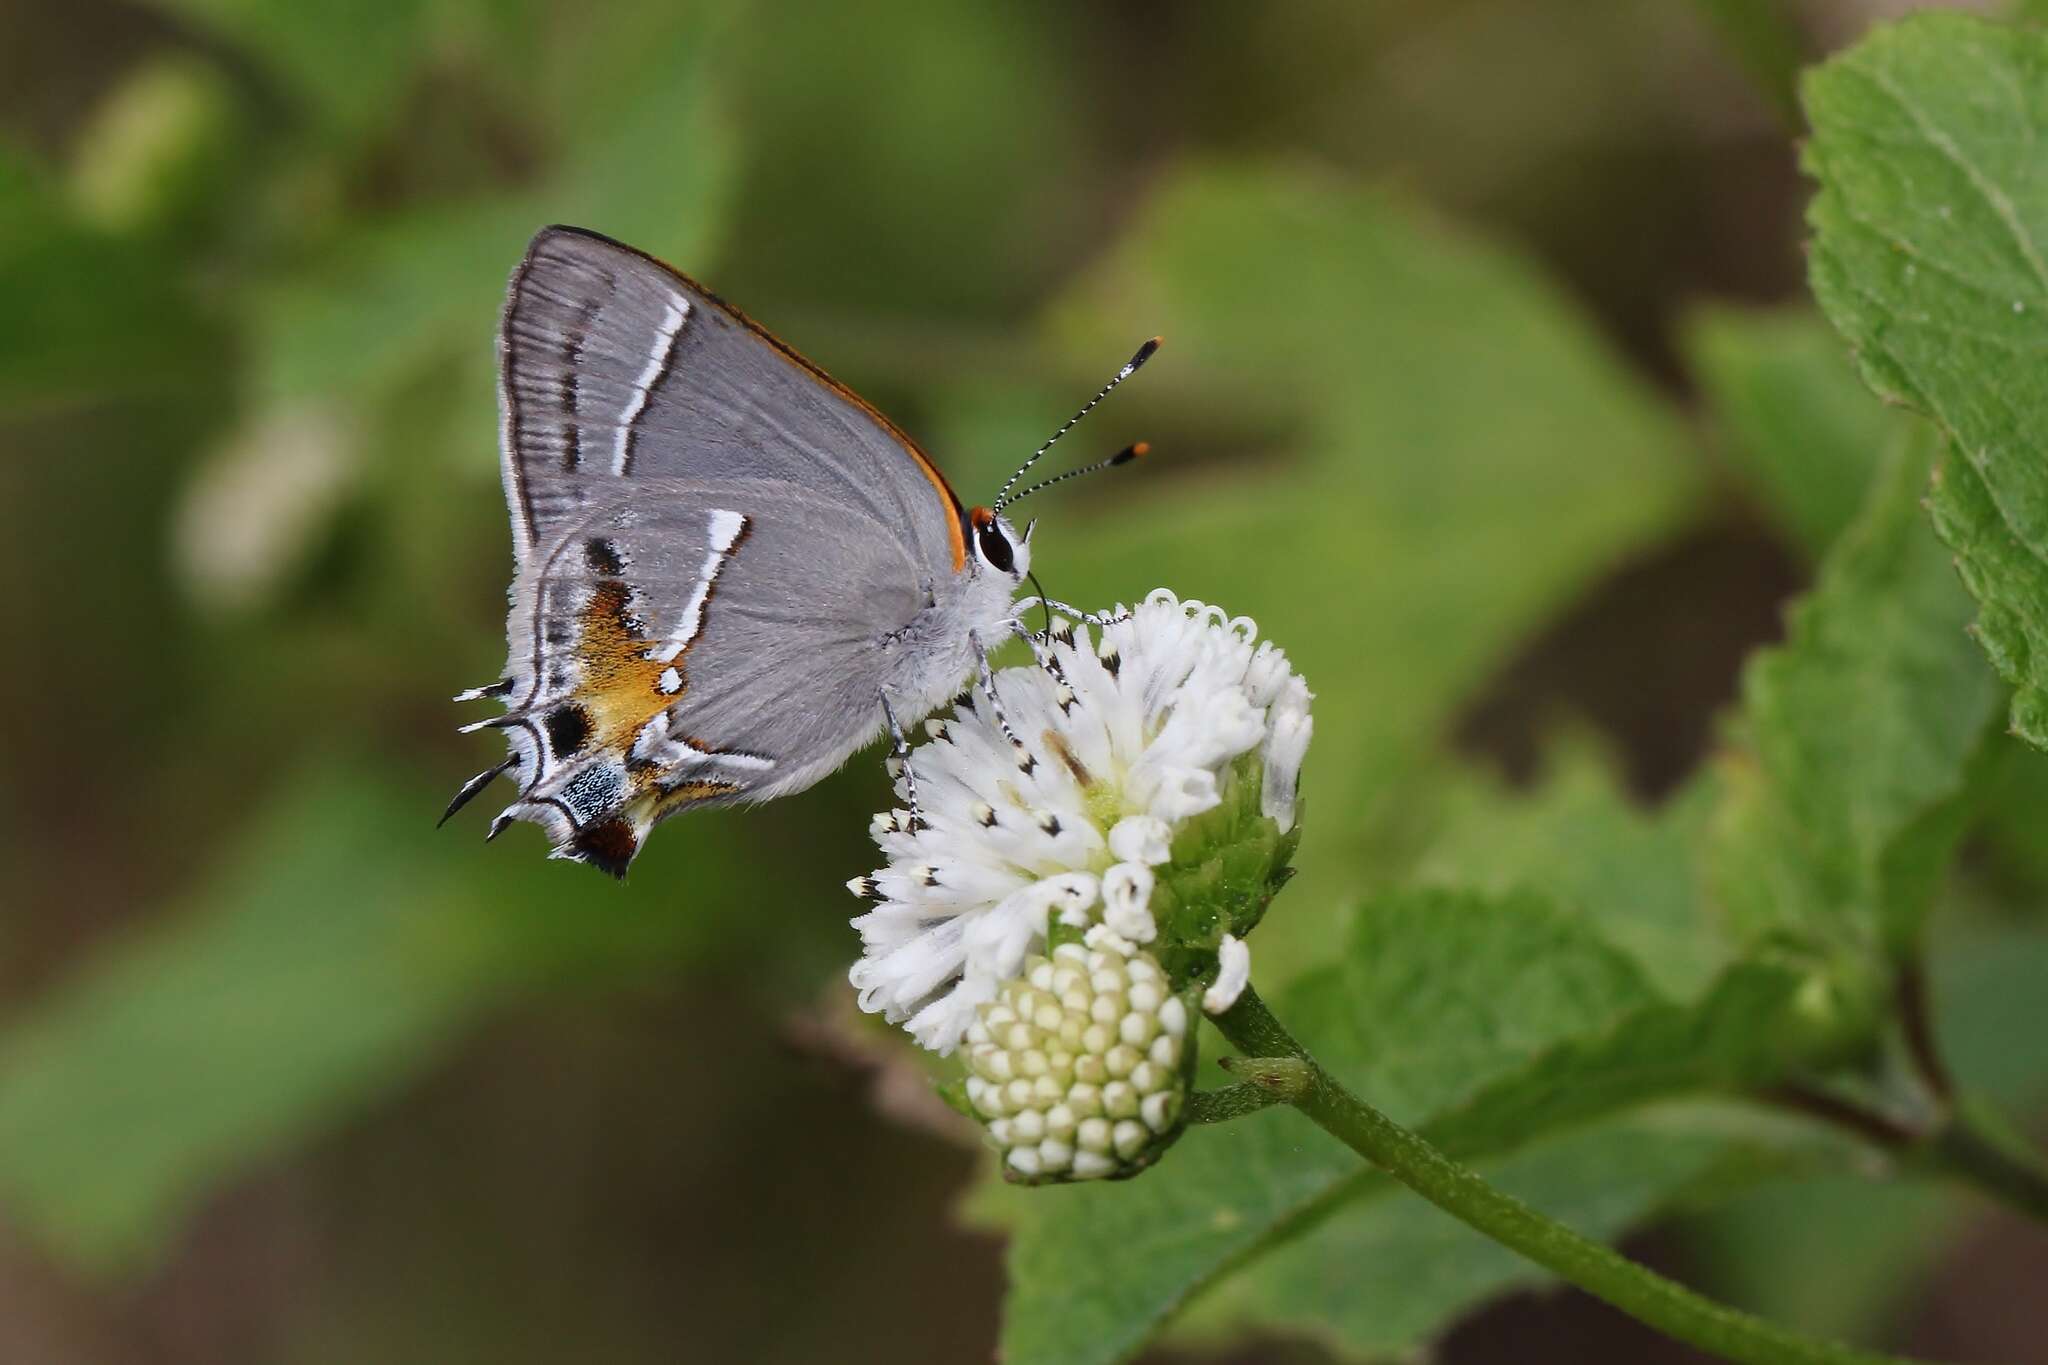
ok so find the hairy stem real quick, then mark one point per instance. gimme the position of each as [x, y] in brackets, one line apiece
[1285, 1067]
[1231, 1102]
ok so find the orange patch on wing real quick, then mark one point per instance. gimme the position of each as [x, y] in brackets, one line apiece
[620, 688]
[689, 794]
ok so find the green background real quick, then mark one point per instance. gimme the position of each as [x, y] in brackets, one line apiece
[1490, 389]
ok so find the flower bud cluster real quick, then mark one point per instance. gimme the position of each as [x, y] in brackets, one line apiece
[1078, 1067]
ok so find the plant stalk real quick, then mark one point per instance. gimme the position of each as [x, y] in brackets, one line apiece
[1233, 1102]
[1601, 1271]
[1971, 1145]
[1978, 1149]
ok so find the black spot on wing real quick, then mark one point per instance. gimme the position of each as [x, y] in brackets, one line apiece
[568, 727]
[569, 385]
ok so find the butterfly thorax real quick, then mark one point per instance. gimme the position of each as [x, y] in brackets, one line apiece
[934, 655]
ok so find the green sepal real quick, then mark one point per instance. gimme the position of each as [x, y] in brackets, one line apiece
[1226, 865]
[1058, 932]
[954, 1094]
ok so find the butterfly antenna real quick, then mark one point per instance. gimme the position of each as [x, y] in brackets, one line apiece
[1130, 368]
[1135, 450]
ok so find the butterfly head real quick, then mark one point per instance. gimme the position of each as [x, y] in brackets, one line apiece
[997, 546]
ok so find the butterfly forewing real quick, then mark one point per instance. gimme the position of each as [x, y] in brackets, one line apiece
[616, 367]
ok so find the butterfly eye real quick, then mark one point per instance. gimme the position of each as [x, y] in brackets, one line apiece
[994, 547]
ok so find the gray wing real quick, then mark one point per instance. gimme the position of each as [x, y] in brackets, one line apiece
[616, 369]
[695, 643]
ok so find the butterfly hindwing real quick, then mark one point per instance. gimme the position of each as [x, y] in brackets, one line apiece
[700, 643]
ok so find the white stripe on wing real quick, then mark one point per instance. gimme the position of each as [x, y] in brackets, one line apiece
[726, 529]
[678, 308]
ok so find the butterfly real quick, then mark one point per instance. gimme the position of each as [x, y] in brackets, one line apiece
[732, 573]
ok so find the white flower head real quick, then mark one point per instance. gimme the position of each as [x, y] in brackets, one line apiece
[1172, 727]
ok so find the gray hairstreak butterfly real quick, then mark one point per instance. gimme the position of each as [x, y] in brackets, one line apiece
[731, 572]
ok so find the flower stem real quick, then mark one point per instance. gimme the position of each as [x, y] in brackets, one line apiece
[1916, 1018]
[1641, 1293]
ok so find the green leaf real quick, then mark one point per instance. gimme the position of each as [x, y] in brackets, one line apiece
[1387, 1272]
[1483, 1020]
[1379, 1273]
[1094, 1271]
[1853, 759]
[1931, 256]
[1837, 1253]
[1488, 1021]
[1582, 841]
[1442, 993]
[1795, 422]
[1759, 1021]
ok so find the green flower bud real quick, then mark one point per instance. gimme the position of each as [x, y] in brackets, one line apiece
[1080, 1068]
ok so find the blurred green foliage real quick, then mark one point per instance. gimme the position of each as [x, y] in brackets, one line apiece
[1416, 265]
[1792, 416]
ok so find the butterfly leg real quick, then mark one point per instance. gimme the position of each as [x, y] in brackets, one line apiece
[1039, 642]
[988, 689]
[1093, 618]
[899, 764]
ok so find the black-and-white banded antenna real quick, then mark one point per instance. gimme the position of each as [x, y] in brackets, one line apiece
[1133, 451]
[1130, 368]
